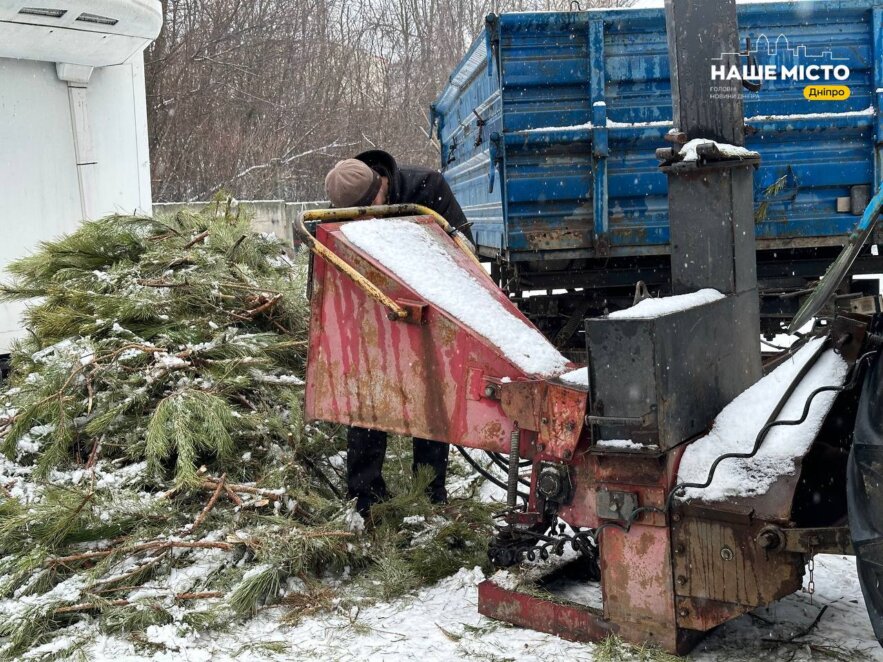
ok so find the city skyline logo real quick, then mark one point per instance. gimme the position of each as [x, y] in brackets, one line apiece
[776, 60]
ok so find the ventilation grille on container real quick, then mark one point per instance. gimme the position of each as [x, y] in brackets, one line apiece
[94, 18]
[42, 11]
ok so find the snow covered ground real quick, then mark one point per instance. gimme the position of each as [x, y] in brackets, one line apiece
[442, 623]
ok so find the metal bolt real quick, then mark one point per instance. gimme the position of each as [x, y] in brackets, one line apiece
[680, 549]
[545, 421]
[571, 426]
[541, 447]
[681, 580]
[727, 554]
[489, 391]
[675, 518]
[683, 612]
[568, 455]
[768, 540]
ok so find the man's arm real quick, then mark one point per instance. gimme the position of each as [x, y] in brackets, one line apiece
[444, 202]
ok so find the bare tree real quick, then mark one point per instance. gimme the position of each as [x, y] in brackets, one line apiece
[261, 97]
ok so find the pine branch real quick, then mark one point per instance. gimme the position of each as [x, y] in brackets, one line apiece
[211, 504]
[198, 238]
[154, 546]
[93, 606]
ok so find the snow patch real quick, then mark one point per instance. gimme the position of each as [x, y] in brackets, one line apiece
[428, 267]
[653, 308]
[353, 521]
[625, 444]
[579, 377]
[737, 426]
[867, 112]
[611, 124]
[286, 380]
[690, 151]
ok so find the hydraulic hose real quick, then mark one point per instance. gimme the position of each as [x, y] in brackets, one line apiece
[486, 474]
[773, 423]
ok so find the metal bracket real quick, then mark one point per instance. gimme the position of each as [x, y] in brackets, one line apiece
[491, 40]
[848, 336]
[644, 421]
[416, 311]
[615, 505]
[822, 540]
[494, 154]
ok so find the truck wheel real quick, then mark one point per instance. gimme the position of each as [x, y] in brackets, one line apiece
[864, 493]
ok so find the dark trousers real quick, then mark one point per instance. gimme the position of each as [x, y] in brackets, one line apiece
[366, 450]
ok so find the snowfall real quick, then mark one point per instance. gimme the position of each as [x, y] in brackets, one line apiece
[442, 623]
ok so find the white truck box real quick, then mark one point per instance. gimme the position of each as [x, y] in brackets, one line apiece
[73, 120]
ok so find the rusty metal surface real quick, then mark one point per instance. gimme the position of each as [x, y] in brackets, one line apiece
[824, 540]
[555, 411]
[415, 379]
[569, 621]
[637, 582]
[636, 566]
[575, 622]
[522, 402]
[775, 505]
[703, 615]
[650, 477]
[561, 425]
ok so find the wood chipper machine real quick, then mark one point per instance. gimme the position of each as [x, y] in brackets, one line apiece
[677, 478]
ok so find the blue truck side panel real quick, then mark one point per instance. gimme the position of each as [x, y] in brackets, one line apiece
[549, 128]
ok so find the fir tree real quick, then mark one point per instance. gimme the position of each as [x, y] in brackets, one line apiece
[152, 422]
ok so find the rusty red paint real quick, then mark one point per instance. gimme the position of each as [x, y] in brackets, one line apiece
[575, 622]
[417, 379]
[569, 621]
[637, 581]
[555, 411]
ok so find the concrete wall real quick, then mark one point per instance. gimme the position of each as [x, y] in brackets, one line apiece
[268, 216]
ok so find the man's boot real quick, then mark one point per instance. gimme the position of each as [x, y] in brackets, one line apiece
[364, 465]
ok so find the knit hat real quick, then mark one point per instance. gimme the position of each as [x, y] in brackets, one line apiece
[351, 183]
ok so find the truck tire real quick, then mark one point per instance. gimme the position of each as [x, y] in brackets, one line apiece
[864, 493]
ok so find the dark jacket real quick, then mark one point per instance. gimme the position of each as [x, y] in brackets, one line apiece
[417, 186]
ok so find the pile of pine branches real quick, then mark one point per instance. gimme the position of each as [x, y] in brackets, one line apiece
[155, 468]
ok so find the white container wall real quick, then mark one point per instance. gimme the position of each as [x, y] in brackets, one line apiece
[73, 131]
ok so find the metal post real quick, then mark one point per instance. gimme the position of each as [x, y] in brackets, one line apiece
[711, 204]
[711, 201]
[703, 34]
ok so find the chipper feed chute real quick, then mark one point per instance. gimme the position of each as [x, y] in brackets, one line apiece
[420, 341]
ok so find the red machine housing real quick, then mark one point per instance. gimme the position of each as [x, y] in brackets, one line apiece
[432, 376]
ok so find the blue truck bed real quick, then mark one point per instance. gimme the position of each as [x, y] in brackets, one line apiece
[549, 126]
